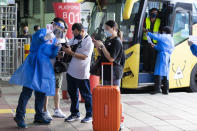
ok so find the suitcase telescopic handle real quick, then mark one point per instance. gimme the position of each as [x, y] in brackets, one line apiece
[107, 63]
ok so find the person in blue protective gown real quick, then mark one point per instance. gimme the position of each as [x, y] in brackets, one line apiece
[37, 73]
[193, 47]
[164, 49]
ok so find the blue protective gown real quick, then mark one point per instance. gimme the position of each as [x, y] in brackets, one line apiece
[164, 49]
[193, 48]
[37, 72]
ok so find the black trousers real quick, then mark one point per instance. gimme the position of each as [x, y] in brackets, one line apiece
[149, 57]
[83, 85]
[159, 82]
[23, 100]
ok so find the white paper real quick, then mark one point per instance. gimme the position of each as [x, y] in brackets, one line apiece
[49, 28]
[193, 39]
[50, 42]
[2, 44]
[149, 40]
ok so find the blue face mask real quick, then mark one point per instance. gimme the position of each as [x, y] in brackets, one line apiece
[107, 33]
[153, 15]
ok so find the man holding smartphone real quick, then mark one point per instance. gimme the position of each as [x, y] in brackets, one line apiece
[79, 72]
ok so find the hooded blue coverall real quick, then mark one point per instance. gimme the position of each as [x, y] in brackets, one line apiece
[36, 74]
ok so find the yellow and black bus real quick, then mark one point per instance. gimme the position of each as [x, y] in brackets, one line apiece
[130, 15]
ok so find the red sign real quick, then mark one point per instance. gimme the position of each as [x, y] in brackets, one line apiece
[70, 12]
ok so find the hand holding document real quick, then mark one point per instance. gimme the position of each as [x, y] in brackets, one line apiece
[149, 40]
[49, 28]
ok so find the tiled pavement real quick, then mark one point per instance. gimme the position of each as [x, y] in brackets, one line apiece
[142, 112]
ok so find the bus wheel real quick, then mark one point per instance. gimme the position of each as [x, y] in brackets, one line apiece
[193, 79]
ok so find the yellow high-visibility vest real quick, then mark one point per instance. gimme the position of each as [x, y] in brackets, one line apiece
[155, 29]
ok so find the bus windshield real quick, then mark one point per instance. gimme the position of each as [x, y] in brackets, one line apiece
[113, 10]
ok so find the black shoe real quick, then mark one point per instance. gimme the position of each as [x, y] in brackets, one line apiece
[42, 121]
[72, 118]
[155, 92]
[165, 92]
[86, 119]
[20, 123]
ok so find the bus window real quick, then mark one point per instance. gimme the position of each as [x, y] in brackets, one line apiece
[194, 20]
[113, 10]
[181, 27]
[128, 26]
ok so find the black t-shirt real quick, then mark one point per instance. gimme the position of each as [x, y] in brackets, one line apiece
[115, 48]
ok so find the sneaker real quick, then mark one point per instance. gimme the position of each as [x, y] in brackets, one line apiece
[122, 122]
[42, 121]
[47, 115]
[58, 113]
[72, 118]
[121, 126]
[86, 120]
[20, 123]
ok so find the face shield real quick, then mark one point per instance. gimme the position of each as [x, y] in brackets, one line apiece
[58, 30]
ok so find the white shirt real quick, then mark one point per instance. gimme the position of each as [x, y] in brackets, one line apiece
[80, 69]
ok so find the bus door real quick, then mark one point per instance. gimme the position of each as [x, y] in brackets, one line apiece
[147, 53]
[131, 41]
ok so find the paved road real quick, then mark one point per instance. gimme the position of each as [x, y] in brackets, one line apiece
[142, 112]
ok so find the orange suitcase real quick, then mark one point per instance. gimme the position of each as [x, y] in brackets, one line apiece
[106, 107]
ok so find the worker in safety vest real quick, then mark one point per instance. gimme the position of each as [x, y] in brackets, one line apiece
[151, 24]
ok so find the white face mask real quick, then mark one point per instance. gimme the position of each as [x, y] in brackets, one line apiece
[107, 33]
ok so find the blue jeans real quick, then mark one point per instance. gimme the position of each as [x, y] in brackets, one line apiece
[24, 98]
[74, 86]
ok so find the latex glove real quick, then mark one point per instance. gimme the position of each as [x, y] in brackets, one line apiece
[49, 36]
[153, 45]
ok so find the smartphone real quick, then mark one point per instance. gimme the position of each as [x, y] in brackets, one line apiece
[64, 45]
[61, 53]
[93, 40]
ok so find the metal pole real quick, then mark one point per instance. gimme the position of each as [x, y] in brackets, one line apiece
[42, 13]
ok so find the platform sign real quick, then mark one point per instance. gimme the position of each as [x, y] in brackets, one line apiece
[70, 12]
[2, 44]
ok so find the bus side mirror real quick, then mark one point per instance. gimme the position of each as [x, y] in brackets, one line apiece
[128, 8]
